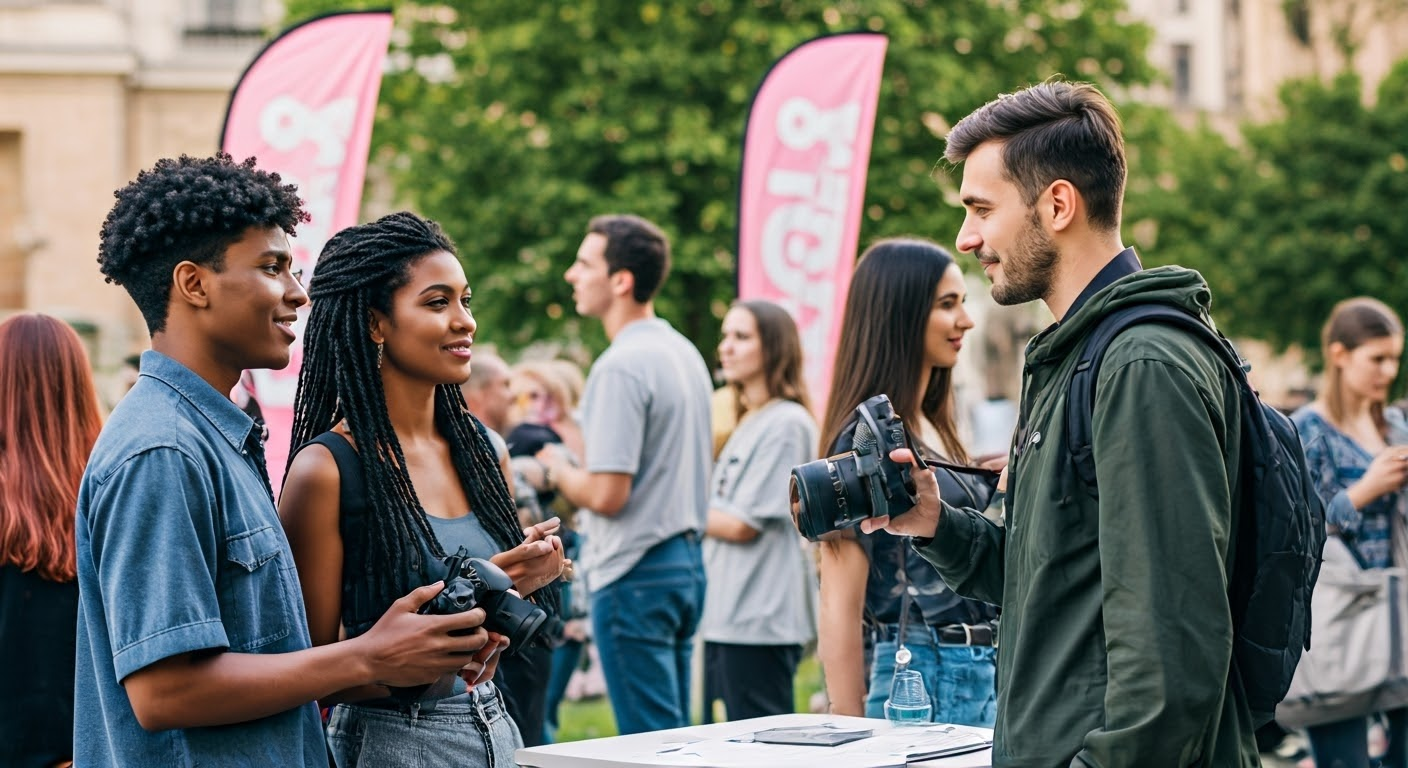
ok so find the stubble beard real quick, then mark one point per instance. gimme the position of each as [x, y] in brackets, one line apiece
[1028, 269]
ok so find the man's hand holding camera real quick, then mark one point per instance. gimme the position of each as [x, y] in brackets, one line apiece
[881, 475]
[407, 648]
[923, 519]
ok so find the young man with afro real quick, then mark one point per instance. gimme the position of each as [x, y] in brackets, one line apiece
[193, 644]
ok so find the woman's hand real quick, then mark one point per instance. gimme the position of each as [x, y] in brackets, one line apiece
[533, 472]
[1387, 473]
[575, 630]
[538, 561]
[485, 662]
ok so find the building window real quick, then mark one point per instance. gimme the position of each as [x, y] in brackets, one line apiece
[13, 255]
[1182, 75]
[223, 18]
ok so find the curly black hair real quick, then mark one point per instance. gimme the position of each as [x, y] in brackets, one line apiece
[187, 209]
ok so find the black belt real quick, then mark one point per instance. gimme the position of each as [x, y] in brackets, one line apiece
[948, 634]
[966, 634]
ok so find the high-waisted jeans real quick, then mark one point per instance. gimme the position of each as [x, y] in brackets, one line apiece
[477, 733]
[961, 679]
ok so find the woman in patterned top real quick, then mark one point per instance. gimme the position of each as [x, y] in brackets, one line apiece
[1360, 477]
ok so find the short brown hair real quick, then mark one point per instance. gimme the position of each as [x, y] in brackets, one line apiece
[637, 246]
[1054, 130]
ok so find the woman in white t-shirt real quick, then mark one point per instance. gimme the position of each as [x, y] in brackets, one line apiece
[759, 607]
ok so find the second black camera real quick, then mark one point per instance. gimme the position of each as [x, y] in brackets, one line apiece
[840, 491]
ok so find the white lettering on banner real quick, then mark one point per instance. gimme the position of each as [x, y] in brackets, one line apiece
[802, 236]
[801, 125]
[287, 122]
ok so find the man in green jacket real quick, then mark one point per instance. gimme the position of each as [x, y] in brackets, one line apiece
[1115, 643]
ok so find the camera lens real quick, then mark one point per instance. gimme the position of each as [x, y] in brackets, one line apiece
[827, 495]
[517, 619]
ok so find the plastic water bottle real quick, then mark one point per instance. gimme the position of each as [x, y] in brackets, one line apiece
[909, 702]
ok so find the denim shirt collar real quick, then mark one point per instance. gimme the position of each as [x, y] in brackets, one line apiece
[1125, 263]
[233, 424]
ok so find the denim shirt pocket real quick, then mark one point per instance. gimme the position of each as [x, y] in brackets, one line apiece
[254, 595]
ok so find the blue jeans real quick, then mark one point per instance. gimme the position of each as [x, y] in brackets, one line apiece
[1344, 744]
[644, 626]
[567, 656]
[961, 679]
[477, 732]
[565, 659]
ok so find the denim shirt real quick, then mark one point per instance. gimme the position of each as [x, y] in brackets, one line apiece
[180, 549]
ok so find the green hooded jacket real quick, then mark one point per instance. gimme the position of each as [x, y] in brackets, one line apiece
[1115, 642]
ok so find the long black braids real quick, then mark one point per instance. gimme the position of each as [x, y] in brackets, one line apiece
[358, 271]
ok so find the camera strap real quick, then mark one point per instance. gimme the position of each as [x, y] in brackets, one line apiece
[927, 458]
[902, 654]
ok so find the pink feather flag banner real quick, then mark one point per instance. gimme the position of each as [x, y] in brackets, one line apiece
[304, 109]
[805, 155]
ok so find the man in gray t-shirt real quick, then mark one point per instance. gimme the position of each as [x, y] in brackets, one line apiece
[648, 453]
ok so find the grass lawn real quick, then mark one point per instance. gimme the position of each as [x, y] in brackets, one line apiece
[592, 718]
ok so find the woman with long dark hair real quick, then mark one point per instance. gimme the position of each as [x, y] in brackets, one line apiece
[900, 335]
[1361, 479]
[49, 420]
[391, 474]
[760, 606]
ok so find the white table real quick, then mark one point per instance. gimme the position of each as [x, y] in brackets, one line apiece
[709, 745]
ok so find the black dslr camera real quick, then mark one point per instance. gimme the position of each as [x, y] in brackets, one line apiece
[472, 582]
[842, 490]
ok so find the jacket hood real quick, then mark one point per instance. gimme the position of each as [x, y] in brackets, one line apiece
[1177, 286]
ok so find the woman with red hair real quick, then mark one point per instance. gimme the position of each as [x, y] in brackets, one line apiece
[49, 419]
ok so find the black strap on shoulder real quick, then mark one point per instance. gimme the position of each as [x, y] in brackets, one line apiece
[1080, 403]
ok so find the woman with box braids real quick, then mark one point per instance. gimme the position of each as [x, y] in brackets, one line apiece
[391, 473]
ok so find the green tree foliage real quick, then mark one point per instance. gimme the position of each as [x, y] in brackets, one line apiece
[1306, 212]
[512, 123]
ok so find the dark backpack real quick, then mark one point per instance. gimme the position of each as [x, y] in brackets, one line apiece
[1281, 531]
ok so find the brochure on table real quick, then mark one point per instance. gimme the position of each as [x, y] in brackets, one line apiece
[731, 745]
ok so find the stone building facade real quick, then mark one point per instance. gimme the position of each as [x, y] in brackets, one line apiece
[91, 92]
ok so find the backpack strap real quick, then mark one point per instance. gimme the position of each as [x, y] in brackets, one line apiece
[1080, 401]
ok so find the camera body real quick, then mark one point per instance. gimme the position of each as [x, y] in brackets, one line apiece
[840, 491]
[473, 582]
